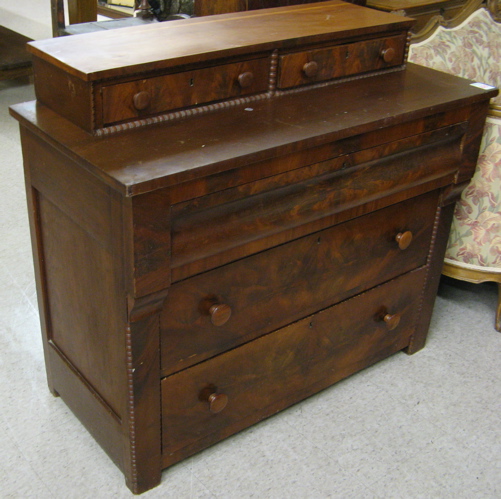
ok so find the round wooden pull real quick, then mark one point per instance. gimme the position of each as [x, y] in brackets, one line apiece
[404, 239]
[219, 313]
[392, 321]
[388, 54]
[217, 402]
[310, 69]
[245, 79]
[141, 100]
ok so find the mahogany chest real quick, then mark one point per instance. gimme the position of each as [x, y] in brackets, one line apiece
[230, 214]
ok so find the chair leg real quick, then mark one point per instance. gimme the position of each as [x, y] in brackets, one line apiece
[498, 313]
[57, 13]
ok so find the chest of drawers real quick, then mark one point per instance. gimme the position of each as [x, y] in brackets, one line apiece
[202, 273]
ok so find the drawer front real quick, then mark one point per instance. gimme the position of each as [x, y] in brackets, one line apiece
[146, 97]
[223, 308]
[212, 230]
[340, 61]
[279, 369]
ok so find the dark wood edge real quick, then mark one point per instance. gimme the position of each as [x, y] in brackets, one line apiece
[452, 193]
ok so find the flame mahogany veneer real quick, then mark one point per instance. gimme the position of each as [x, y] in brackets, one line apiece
[230, 214]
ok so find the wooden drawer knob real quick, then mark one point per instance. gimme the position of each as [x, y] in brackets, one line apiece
[388, 54]
[404, 239]
[391, 321]
[310, 69]
[217, 402]
[245, 79]
[141, 100]
[219, 313]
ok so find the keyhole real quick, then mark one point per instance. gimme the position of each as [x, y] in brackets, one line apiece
[191, 82]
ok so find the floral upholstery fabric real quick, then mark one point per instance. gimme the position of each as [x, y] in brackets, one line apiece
[475, 237]
[473, 51]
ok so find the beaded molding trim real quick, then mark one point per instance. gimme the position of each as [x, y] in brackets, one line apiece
[130, 407]
[407, 45]
[176, 115]
[433, 244]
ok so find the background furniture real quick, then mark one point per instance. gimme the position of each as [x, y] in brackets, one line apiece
[85, 11]
[15, 61]
[473, 50]
[212, 7]
[79, 11]
[427, 13]
[116, 9]
[82, 18]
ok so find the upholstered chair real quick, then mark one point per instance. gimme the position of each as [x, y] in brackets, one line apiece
[473, 50]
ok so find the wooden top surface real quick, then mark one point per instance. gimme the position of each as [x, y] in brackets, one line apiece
[152, 157]
[107, 54]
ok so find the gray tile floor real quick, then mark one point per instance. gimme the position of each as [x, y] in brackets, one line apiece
[421, 426]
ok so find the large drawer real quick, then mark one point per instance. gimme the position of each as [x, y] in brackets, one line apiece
[215, 229]
[210, 313]
[218, 397]
[149, 96]
[340, 61]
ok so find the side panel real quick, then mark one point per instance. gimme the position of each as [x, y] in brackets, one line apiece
[76, 225]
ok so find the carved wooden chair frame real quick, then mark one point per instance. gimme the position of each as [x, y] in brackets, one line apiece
[465, 273]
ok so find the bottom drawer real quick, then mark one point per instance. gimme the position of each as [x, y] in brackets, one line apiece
[216, 398]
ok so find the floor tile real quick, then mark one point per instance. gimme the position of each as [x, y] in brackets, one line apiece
[444, 469]
[18, 478]
[273, 461]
